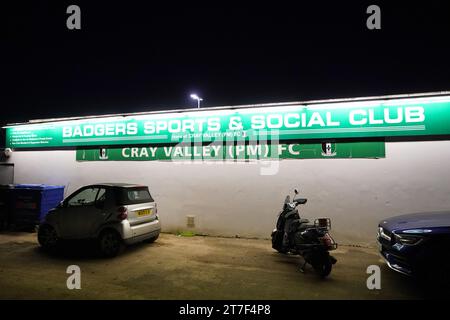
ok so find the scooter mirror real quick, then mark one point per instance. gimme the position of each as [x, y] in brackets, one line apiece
[296, 191]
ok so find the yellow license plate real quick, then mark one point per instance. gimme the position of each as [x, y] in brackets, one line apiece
[145, 212]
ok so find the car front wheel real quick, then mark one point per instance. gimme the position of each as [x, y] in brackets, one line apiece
[47, 237]
[109, 243]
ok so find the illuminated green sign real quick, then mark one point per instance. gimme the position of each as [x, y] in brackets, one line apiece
[381, 118]
[242, 152]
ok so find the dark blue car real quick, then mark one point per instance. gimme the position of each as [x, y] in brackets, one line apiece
[417, 244]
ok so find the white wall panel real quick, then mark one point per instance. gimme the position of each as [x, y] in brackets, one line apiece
[235, 199]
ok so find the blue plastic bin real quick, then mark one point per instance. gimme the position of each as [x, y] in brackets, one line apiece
[5, 205]
[31, 202]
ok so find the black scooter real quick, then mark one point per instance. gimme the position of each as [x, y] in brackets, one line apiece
[297, 236]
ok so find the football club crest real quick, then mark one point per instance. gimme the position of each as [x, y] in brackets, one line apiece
[328, 149]
[103, 154]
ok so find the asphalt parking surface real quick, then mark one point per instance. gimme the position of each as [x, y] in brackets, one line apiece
[177, 267]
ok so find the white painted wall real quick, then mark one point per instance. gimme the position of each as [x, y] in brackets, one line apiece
[234, 199]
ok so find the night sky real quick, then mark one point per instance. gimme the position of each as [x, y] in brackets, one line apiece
[136, 56]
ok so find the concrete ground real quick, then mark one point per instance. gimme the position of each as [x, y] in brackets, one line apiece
[190, 268]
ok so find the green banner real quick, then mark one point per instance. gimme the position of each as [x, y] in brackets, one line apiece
[401, 117]
[244, 152]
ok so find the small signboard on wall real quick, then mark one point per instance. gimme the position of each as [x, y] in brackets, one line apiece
[233, 152]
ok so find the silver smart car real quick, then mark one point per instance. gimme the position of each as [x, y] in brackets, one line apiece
[110, 213]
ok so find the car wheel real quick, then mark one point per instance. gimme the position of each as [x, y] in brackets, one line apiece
[435, 277]
[109, 243]
[47, 237]
[152, 239]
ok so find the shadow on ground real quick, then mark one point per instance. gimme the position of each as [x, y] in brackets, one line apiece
[86, 250]
[192, 268]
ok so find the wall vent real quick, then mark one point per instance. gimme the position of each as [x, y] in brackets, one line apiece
[190, 221]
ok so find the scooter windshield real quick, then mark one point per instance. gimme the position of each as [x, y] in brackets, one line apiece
[286, 202]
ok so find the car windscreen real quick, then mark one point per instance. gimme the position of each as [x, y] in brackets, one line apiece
[134, 195]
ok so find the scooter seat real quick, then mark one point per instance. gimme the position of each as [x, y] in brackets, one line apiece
[303, 224]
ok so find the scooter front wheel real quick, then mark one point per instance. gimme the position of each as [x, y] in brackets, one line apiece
[277, 241]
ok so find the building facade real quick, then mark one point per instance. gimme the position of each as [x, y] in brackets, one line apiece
[226, 171]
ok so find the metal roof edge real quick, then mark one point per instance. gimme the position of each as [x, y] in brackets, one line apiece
[259, 105]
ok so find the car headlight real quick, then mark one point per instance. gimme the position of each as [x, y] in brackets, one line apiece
[417, 231]
[408, 239]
